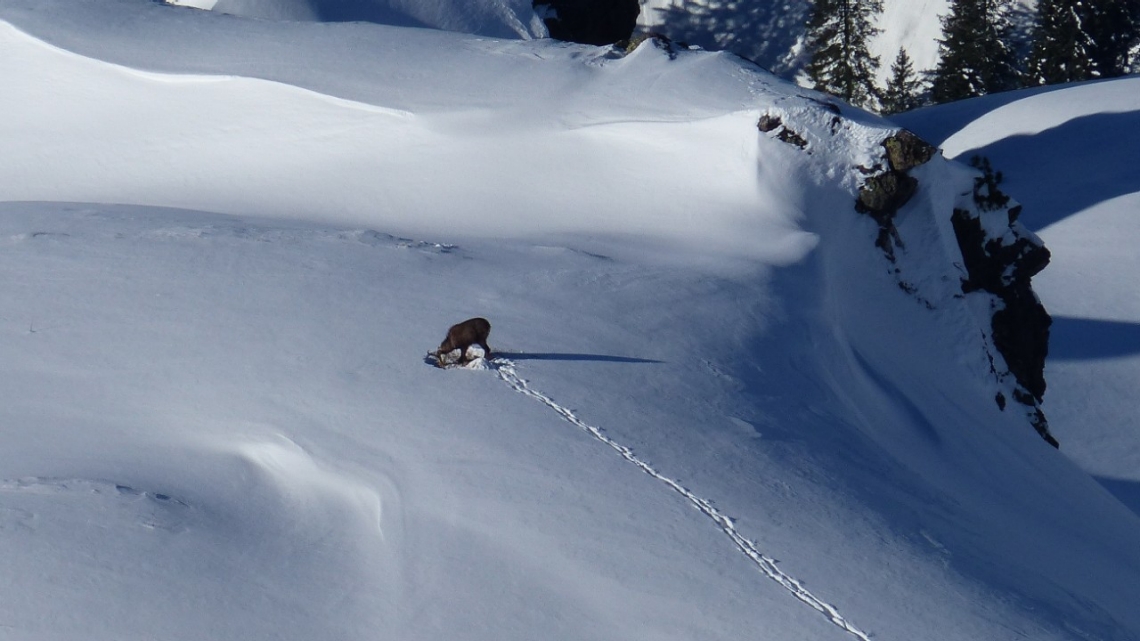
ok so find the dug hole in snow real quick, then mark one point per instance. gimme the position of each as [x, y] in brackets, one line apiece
[471, 358]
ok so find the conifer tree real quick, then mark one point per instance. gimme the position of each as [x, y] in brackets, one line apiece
[976, 55]
[1061, 49]
[837, 35]
[904, 89]
[1113, 27]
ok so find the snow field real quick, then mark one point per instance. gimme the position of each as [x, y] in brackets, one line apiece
[719, 373]
[529, 178]
[207, 391]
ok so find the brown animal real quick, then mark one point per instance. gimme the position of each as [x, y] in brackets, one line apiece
[472, 331]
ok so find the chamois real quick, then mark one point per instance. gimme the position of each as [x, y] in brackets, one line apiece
[472, 331]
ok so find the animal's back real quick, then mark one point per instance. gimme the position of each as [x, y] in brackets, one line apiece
[473, 331]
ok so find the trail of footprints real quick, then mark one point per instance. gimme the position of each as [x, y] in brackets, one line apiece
[252, 233]
[767, 565]
[367, 237]
[23, 499]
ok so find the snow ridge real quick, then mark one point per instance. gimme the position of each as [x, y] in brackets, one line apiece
[506, 371]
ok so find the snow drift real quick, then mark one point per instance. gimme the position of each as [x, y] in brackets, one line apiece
[719, 409]
[495, 18]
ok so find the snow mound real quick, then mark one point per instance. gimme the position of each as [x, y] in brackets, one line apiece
[494, 18]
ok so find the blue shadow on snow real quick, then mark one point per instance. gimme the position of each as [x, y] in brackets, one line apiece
[1073, 339]
[1127, 492]
[546, 356]
[1074, 166]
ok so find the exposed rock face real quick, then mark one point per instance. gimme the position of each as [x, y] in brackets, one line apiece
[1021, 328]
[593, 22]
[905, 151]
[999, 255]
[1003, 266]
[884, 193]
[769, 123]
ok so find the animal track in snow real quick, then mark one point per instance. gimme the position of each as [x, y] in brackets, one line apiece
[40, 235]
[27, 497]
[767, 565]
[253, 233]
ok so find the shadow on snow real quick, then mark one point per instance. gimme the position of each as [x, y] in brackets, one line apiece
[551, 356]
[1075, 165]
[763, 32]
[1073, 339]
[1125, 491]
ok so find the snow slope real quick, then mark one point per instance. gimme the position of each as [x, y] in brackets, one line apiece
[495, 18]
[768, 33]
[714, 413]
[1068, 152]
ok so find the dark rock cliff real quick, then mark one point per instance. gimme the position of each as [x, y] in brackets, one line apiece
[1003, 265]
[592, 22]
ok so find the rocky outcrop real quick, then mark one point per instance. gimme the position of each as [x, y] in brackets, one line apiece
[885, 191]
[905, 151]
[999, 255]
[1002, 265]
[593, 22]
[768, 123]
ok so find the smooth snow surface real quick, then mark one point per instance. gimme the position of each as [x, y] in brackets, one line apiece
[714, 410]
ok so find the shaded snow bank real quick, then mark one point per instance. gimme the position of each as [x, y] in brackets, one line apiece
[504, 175]
[493, 18]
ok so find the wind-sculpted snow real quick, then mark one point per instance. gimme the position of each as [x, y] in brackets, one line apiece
[179, 155]
[494, 18]
[222, 274]
[223, 531]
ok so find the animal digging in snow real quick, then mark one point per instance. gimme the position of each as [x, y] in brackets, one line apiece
[472, 331]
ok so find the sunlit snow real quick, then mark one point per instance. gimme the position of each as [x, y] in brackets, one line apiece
[710, 412]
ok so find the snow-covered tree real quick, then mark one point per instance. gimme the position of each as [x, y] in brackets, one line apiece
[976, 55]
[905, 87]
[841, 64]
[1062, 50]
[1113, 27]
